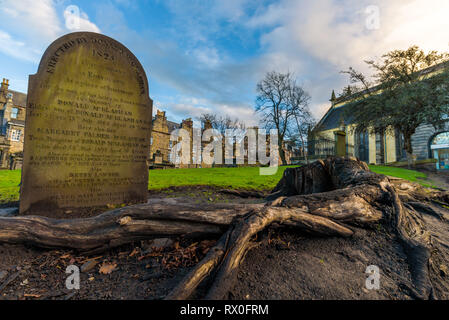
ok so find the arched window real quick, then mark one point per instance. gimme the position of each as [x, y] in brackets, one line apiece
[362, 145]
[441, 139]
[400, 151]
[439, 146]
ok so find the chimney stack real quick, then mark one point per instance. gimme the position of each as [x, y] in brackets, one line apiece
[187, 123]
[160, 114]
[5, 85]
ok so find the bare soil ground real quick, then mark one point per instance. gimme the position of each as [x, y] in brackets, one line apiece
[440, 179]
[285, 265]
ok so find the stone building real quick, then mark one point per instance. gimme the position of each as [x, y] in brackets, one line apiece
[161, 146]
[160, 140]
[335, 134]
[12, 126]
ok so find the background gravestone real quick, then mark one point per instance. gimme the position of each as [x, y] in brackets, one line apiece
[88, 126]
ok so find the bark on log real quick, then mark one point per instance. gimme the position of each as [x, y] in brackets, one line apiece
[121, 226]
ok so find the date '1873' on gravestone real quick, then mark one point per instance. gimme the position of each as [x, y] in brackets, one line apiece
[88, 126]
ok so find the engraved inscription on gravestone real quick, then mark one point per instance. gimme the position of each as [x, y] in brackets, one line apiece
[88, 126]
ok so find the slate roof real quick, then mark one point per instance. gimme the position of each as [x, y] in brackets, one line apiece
[18, 98]
[332, 119]
[172, 126]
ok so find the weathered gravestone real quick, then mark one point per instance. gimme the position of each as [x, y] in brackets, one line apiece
[88, 126]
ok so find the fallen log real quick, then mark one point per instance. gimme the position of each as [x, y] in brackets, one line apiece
[121, 226]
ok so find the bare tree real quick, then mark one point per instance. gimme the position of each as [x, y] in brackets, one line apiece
[228, 127]
[299, 101]
[280, 100]
[272, 104]
[221, 123]
[304, 125]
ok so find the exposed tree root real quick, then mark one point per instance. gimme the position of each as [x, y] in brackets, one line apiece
[333, 191]
[120, 226]
[416, 242]
[201, 271]
[248, 226]
[324, 198]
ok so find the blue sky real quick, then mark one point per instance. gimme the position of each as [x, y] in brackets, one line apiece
[207, 56]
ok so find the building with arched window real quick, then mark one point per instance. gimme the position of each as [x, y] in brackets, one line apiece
[381, 147]
[439, 149]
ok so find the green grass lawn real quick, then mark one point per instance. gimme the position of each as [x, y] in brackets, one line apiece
[9, 185]
[235, 178]
[406, 174]
[410, 175]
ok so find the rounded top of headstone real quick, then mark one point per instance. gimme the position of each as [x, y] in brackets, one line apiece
[107, 47]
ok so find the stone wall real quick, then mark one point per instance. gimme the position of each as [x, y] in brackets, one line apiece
[160, 138]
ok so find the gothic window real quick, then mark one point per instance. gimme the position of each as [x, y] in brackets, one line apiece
[441, 139]
[400, 151]
[440, 149]
[2, 122]
[380, 147]
[362, 145]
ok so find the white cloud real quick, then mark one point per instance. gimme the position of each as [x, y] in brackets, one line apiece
[182, 107]
[29, 26]
[36, 18]
[231, 10]
[207, 56]
[185, 110]
[317, 39]
[314, 39]
[77, 20]
[15, 48]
